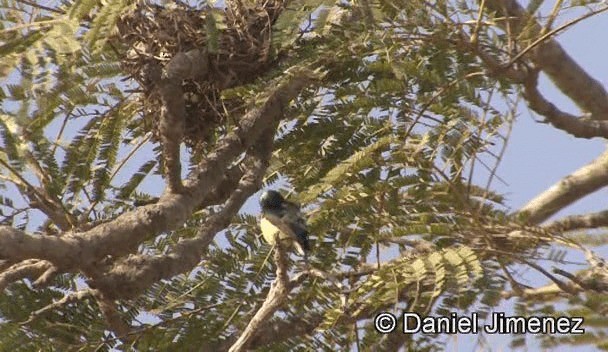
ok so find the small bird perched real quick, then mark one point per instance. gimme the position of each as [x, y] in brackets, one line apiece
[284, 218]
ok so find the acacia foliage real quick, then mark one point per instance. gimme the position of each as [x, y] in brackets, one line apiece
[392, 154]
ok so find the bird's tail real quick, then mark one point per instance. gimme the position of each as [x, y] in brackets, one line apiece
[302, 243]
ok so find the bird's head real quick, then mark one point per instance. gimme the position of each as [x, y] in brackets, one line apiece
[271, 199]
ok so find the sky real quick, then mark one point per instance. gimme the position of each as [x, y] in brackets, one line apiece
[538, 155]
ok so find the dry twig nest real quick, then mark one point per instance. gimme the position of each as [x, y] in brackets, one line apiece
[236, 40]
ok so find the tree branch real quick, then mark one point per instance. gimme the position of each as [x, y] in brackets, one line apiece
[544, 293]
[192, 64]
[67, 299]
[123, 235]
[46, 277]
[580, 127]
[274, 300]
[549, 56]
[113, 319]
[30, 269]
[577, 222]
[132, 275]
[272, 332]
[576, 126]
[582, 182]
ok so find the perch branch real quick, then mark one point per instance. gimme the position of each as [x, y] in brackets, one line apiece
[275, 299]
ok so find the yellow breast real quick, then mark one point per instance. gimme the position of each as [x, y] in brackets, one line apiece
[269, 231]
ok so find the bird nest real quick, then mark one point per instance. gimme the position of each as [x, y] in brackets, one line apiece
[236, 41]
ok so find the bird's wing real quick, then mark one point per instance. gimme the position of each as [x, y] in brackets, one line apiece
[291, 223]
[296, 223]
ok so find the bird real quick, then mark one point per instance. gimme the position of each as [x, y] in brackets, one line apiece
[283, 218]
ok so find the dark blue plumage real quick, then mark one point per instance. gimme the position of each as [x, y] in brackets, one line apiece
[284, 218]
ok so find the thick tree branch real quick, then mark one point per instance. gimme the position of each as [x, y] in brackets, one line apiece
[576, 126]
[582, 182]
[578, 222]
[124, 234]
[581, 127]
[229, 183]
[113, 318]
[30, 269]
[193, 64]
[217, 196]
[132, 275]
[171, 127]
[16, 245]
[549, 56]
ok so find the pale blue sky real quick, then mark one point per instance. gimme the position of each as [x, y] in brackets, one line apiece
[538, 155]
